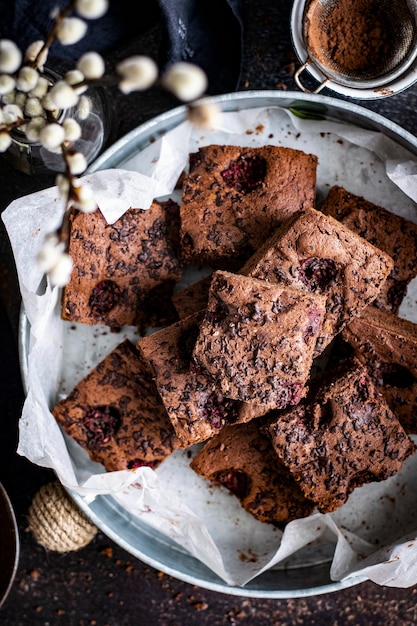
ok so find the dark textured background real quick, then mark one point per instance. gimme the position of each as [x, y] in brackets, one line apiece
[102, 584]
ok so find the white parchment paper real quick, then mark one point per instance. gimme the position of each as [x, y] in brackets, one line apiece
[374, 533]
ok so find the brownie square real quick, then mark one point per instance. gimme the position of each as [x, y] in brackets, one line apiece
[195, 406]
[233, 198]
[124, 272]
[387, 345]
[316, 253]
[242, 459]
[116, 415]
[257, 338]
[394, 234]
[344, 437]
[192, 298]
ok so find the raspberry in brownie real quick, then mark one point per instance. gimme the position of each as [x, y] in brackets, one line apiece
[257, 338]
[195, 406]
[317, 253]
[242, 459]
[233, 198]
[387, 345]
[116, 415]
[124, 272]
[392, 233]
[344, 437]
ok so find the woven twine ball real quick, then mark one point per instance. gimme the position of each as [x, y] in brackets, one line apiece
[56, 522]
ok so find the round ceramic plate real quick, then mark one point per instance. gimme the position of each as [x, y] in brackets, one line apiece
[9, 545]
[307, 573]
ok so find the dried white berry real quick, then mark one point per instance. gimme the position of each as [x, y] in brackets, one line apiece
[41, 88]
[84, 198]
[137, 73]
[12, 113]
[204, 115]
[10, 56]
[5, 140]
[91, 9]
[63, 95]
[91, 64]
[72, 129]
[36, 52]
[33, 107]
[60, 273]
[34, 127]
[52, 136]
[185, 80]
[63, 184]
[77, 163]
[7, 84]
[71, 30]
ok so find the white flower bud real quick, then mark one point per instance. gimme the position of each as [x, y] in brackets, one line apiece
[41, 88]
[34, 128]
[77, 163]
[52, 136]
[27, 78]
[72, 77]
[50, 252]
[185, 80]
[9, 98]
[60, 274]
[71, 30]
[63, 184]
[20, 99]
[63, 95]
[72, 129]
[33, 107]
[91, 9]
[84, 107]
[138, 73]
[85, 199]
[48, 104]
[7, 84]
[33, 52]
[91, 64]
[204, 115]
[12, 113]
[10, 56]
[5, 140]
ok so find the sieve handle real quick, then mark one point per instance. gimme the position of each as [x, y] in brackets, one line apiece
[300, 84]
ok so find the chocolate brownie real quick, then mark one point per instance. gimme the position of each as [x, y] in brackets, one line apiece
[116, 415]
[257, 338]
[242, 459]
[233, 198]
[387, 344]
[195, 407]
[344, 437]
[124, 272]
[192, 298]
[392, 233]
[317, 253]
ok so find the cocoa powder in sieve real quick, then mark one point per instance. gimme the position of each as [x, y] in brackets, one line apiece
[349, 36]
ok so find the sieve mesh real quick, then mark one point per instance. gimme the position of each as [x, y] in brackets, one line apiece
[360, 42]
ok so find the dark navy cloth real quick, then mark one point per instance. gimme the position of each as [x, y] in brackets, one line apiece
[208, 33]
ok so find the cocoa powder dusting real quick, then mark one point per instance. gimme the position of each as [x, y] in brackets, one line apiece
[350, 36]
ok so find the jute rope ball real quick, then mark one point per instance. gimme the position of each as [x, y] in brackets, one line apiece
[56, 521]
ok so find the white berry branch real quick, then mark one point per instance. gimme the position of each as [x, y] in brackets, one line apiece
[32, 103]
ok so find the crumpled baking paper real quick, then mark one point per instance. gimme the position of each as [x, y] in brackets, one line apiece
[374, 534]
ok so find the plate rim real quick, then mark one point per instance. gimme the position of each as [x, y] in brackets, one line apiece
[144, 133]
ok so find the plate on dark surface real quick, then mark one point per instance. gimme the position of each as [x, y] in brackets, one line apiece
[306, 573]
[9, 545]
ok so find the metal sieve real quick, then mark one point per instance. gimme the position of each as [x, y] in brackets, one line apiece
[359, 43]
